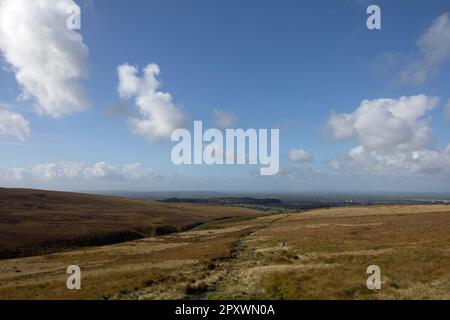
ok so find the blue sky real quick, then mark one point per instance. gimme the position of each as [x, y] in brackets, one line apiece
[270, 64]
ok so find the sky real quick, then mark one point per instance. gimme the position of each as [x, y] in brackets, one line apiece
[94, 108]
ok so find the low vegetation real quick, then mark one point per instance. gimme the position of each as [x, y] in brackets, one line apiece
[34, 222]
[321, 254]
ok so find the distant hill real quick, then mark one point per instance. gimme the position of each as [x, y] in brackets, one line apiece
[36, 222]
[228, 200]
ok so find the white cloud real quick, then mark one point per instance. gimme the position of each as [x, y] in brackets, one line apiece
[422, 162]
[57, 171]
[434, 46]
[134, 171]
[12, 174]
[224, 119]
[14, 124]
[300, 155]
[102, 170]
[130, 84]
[159, 115]
[340, 126]
[447, 110]
[386, 125]
[393, 136]
[48, 59]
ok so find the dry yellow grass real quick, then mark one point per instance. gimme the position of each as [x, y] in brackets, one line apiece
[321, 254]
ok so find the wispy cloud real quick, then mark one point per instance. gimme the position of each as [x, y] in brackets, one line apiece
[13, 124]
[424, 63]
[300, 155]
[434, 46]
[224, 119]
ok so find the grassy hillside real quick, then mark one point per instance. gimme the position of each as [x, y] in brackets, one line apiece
[321, 254]
[36, 222]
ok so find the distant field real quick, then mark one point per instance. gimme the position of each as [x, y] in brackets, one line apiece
[321, 254]
[35, 222]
